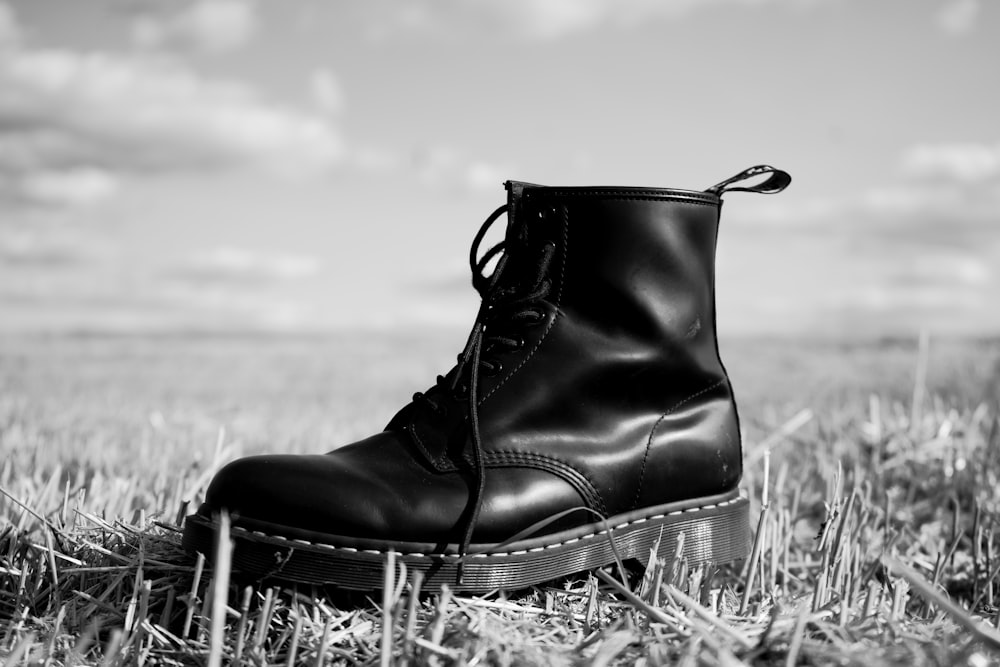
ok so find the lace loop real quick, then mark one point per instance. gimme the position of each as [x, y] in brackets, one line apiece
[478, 265]
[507, 306]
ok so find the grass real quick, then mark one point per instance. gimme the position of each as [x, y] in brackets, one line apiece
[873, 471]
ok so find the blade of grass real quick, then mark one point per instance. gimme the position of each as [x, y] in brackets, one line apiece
[926, 590]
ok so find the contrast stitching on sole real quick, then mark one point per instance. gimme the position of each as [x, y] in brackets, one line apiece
[589, 536]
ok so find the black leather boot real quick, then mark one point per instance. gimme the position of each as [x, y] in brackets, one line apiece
[589, 407]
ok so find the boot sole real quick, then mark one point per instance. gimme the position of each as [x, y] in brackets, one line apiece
[715, 530]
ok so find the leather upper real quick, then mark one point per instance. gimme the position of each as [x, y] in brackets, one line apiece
[613, 398]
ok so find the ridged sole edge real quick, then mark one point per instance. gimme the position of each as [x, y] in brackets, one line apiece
[718, 532]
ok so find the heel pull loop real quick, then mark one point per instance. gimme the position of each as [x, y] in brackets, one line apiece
[776, 182]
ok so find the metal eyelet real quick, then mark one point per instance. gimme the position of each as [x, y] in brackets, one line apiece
[539, 317]
[493, 368]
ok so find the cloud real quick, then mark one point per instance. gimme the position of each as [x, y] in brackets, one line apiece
[245, 310]
[559, 17]
[963, 162]
[963, 269]
[30, 248]
[148, 113]
[446, 166]
[486, 177]
[73, 125]
[10, 32]
[377, 160]
[226, 264]
[958, 17]
[75, 186]
[326, 91]
[918, 251]
[948, 185]
[438, 166]
[532, 19]
[555, 19]
[53, 280]
[211, 26]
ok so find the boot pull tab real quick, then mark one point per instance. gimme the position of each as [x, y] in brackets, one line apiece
[777, 181]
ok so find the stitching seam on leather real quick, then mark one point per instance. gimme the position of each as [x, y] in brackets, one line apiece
[411, 429]
[417, 554]
[639, 196]
[652, 432]
[552, 322]
[575, 478]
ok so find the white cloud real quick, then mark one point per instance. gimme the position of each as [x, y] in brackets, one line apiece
[448, 167]
[48, 248]
[907, 298]
[326, 91]
[559, 17]
[153, 113]
[959, 16]
[223, 307]
[956, 182]
[970, 270]
[963, 162]
[436, 166]
[913, 253]
[73, 124]
[230, 287]
[535, 19]
[226, 264]
[486, 177]
[372, 159]
[206, 25]
[76, 186]
[781, 213]
[10, 32]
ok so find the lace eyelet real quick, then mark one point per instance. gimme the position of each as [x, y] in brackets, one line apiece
[493, 368]
[537, 317]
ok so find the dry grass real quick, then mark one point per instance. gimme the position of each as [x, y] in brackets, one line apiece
[873, 471]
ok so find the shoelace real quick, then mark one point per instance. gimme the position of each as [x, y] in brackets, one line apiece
[500, 305]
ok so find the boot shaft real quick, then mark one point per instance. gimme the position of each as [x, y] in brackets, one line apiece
[624, 380]
[598, 349]
[637, 265]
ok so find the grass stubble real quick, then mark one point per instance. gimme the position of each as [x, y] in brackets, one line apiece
[876, 543]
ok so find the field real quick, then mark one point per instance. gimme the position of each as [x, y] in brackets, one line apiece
[873, 469]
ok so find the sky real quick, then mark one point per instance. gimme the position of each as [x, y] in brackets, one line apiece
[316, 165]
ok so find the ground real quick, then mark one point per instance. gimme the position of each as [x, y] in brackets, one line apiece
[875, 540]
